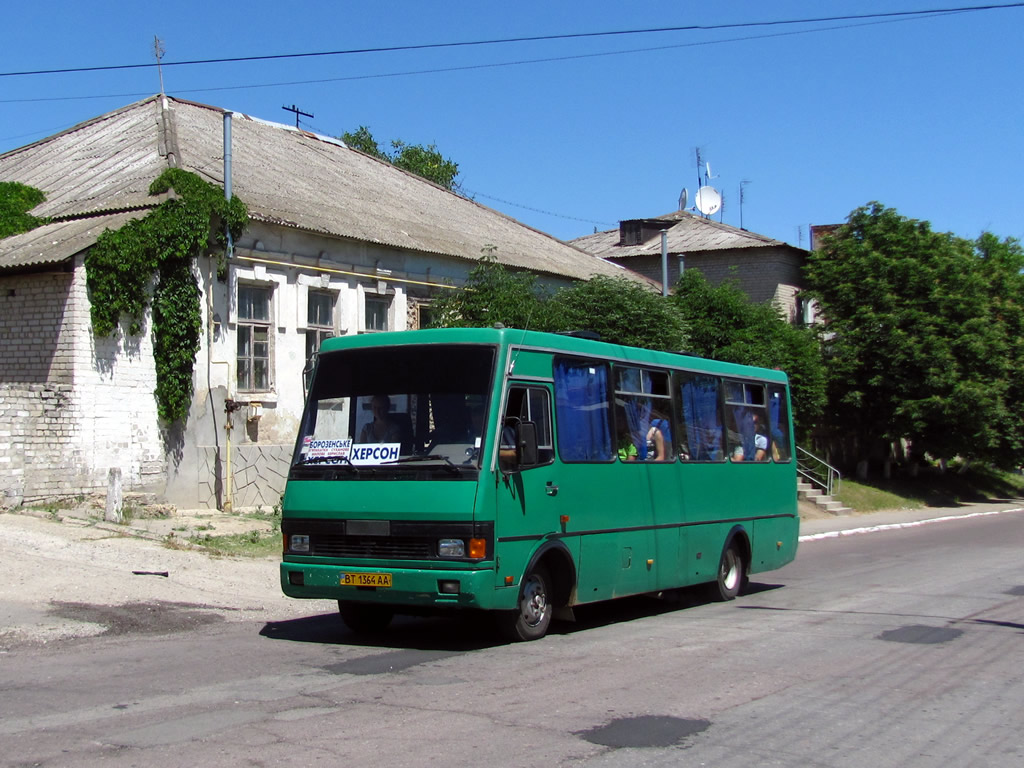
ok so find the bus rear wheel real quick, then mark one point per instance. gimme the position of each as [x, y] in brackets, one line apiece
[364, 618]
[732, 574]
[533, 617]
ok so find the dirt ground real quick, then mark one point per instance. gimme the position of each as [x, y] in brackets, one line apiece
[67, 577]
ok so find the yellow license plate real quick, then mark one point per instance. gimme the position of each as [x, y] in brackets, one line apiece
[366, 579]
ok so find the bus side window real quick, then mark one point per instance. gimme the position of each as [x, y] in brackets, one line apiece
[531, 405]
[778, 423]
[701, 428]
[583, 410]
[747, 421]
[643, 406]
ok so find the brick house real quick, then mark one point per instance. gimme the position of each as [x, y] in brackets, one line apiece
[765, 269]
[337, 243]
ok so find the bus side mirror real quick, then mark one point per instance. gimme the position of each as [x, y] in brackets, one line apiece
[527, 444]
[518, 446]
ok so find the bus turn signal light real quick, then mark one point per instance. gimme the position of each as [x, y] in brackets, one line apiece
[478, 548]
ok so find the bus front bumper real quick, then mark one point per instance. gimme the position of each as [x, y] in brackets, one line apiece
[409, 587]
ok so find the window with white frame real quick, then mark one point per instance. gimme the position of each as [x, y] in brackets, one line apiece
[253, 356]
[319, 320]
[377, 309]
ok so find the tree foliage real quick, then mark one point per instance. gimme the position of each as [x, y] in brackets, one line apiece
[494, 294]
[426, 161]
[922, 338]
[620, 311]
[16, 200]
[725, 325]
[122, 265]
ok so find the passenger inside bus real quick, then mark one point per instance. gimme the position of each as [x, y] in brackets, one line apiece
[659, 439]
[383, 428]
[760, 439]
[627, 448]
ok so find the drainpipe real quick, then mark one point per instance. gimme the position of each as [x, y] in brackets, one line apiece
[664, 262]
[229, 405]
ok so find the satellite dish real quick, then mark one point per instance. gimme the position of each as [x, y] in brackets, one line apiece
[684, 198]
[708, 200]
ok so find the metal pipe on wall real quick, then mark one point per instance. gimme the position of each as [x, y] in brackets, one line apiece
[664, 262]
[228, 500]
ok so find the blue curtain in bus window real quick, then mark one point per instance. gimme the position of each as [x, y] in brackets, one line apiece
[581, 412]
[700, 410]
[743, 421]
[638, 416]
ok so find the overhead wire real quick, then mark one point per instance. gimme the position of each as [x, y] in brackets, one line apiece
[525, 39]
[491, 65]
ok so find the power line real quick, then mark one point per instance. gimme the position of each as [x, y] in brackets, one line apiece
[529, 39]
[473, 195]
[470, 67]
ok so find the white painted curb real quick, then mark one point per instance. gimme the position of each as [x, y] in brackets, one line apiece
[896, 526]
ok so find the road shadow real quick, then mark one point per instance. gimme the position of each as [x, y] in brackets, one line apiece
[458, 632]
[472, 630]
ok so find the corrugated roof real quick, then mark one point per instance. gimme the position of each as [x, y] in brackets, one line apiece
[54, 243]
[686, 233]
[285, 176]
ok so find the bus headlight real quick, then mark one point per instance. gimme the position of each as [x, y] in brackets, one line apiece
[299, 543]
[451, 548]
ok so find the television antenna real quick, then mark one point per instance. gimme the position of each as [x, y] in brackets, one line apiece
[297, 112]
[684, 198]
[743, 186]
[159, 51]
[708, 200]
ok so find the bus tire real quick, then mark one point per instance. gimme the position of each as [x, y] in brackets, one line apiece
[732, 574]
[365, 618]
[533, 617]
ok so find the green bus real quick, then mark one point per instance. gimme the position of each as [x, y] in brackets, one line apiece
[524, 473]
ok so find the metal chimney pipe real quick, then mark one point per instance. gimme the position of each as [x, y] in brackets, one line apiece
[664, 262]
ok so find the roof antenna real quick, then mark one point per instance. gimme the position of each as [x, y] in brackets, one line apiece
[708, 199]
[159, 51]
[743, 186]
[297, 112]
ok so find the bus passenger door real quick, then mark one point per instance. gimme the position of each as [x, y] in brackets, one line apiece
[528, 502]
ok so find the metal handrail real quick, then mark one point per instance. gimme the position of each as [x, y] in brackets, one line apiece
[817, 471]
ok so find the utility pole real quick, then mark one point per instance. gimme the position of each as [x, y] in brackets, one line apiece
[158, 51]
[297, 112]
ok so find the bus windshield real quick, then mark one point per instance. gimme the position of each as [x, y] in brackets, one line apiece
[396, 408]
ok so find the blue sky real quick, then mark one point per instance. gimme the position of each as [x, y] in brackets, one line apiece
[924, 115]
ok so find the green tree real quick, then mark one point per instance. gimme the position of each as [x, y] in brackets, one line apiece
[493, 294]
[725, 325]
[620, 311]
[915, 344]
[16, 200]
[426, 161]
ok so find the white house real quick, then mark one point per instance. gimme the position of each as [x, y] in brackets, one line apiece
[338, 243]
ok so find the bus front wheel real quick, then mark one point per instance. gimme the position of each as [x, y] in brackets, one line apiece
[533, 617]
[732, 574]
[363, 618]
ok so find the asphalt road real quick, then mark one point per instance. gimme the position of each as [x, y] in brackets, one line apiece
[894, 648]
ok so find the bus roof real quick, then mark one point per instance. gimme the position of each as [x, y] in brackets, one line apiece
[556, 343]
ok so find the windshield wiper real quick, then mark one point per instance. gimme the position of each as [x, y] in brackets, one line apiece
[448, 464]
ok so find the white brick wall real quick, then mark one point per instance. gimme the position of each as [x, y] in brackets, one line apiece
[71, 406]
